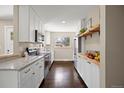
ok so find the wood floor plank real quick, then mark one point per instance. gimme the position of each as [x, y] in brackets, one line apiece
[62, 75]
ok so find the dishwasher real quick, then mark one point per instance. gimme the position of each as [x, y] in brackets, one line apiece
[47, 64]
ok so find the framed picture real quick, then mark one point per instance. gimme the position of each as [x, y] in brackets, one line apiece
[62, 42]
[89, 23]
[83, 23]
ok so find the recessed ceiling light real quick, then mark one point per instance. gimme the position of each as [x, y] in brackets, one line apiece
[63, 22]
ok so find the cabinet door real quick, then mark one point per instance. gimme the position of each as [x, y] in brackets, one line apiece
[41, 71]
[89, 72]
[37, 23]
[23, 23]
[78, 65]
[32, 26]
[27, 82]
[83, 69]
[47, 34]
[81, 66]
[95, 76]
[40, 27]
[38, 73]
[26, 78]
[88, 77]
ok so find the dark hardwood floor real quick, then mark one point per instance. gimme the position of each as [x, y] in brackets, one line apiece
[62, 75]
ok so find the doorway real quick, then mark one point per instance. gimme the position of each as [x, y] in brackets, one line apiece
[8, 39]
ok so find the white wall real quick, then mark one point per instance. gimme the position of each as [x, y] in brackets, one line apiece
[95, 15]
[2, 24]
[63, 54]
[112, 65]
[62, 27]
[93, 43]
[114, 46]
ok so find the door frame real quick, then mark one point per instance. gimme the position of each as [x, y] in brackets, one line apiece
[5, 29]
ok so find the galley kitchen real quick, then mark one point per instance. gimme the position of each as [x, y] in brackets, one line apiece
[61, 46]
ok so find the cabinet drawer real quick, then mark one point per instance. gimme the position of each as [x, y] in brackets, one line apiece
[38, 62]
[25, 73]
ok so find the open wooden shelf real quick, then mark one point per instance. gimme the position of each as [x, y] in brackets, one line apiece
[90, 31]
[89, 60]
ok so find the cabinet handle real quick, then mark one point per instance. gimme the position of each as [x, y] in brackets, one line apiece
[40, 66]
[37, 64]
[88, 62]
[33, 73]
[27, 70]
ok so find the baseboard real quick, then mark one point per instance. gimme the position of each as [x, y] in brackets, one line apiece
[63, 60]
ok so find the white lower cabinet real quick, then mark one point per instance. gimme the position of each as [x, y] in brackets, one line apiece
[95, 75]
[88, 77]
[29, 77]
[38, 73]
[79, 65]
[89, 72]
[25, 77]
[83, 69]
[32, 76]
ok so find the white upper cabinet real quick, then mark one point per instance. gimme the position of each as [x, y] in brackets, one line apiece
[29, 21]
[37, 23]
[47, 37]
[23, 24]
[41, 28]
[32, 26]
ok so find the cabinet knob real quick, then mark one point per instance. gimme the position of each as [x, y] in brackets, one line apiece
[33, 73]
[88, 62]
[27, 71]
[40, 66]
[37, 64]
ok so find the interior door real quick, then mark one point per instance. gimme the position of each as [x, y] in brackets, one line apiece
[8, 39]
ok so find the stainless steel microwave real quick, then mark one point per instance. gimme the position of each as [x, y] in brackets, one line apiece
[38, 36]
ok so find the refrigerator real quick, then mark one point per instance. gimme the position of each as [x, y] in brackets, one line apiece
[75, 51]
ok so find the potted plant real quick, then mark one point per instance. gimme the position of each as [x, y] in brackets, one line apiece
[82, 30]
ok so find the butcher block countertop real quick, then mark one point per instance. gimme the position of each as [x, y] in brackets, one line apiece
[88, 59]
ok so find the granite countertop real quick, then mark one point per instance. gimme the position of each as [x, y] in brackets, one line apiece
[19, 63]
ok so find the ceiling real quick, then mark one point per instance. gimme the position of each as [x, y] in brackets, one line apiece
[53, 15]
[6, 12]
